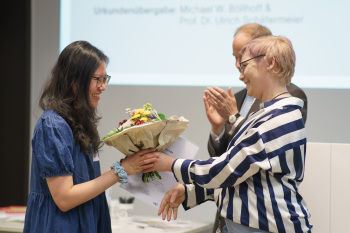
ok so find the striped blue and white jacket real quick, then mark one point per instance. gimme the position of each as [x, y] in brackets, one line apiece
[255, 183]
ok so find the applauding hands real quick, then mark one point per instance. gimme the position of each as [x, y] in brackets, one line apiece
[219, 105]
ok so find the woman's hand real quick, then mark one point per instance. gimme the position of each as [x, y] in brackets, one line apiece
[171, 201]
[224, 103]
[216, 121]
[163, 162]
[144, 159]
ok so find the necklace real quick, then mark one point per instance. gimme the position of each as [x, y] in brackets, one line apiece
[279, 95]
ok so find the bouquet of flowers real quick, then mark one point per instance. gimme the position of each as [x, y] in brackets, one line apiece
[146, 129]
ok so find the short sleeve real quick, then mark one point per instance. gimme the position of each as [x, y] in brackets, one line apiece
[53, 144]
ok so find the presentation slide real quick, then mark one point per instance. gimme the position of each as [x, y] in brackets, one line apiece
[189, 43]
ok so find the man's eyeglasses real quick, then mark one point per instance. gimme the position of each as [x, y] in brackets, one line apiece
[241, 68]
[102, 80]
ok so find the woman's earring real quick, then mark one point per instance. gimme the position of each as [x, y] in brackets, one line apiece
[268, 68]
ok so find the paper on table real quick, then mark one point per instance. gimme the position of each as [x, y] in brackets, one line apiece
[154, 191]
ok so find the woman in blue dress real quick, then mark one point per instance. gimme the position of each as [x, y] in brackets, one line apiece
[66, 185]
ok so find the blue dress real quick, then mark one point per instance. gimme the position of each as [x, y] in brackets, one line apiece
[55, 153]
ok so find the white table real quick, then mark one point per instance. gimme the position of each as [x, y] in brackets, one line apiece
[11, 224]
[147, 224]
[140, 224]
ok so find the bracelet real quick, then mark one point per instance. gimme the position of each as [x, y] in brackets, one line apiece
[119, 170]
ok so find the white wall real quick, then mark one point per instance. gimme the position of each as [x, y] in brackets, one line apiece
[325, 187]
[327, 115]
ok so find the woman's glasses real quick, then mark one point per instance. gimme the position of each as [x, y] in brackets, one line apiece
[241, 68]
[102, 80]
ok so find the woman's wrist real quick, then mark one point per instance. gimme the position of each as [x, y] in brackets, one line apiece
[119, 170]
[172, 165]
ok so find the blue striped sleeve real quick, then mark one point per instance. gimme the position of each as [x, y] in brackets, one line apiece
[196, 195]
[231, 168]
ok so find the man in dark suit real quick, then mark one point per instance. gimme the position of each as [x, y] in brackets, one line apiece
[223, 130]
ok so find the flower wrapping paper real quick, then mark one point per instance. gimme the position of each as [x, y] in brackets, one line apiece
[159, 135]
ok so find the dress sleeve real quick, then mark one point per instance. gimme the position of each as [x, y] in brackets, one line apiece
[53, 144]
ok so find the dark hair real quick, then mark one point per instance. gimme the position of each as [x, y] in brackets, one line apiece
[67, 92]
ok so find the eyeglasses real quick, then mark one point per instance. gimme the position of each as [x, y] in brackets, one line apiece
[102, 80]
[241, 69]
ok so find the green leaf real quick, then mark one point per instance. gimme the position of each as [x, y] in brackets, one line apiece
[111, 133]
[161, 115]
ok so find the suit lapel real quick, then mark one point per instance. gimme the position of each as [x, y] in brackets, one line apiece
[240, 96]
[255, 106]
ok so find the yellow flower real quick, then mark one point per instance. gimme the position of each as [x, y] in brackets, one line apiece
[146, 113]
[145, 119]
[135, 116]
[139, 111]
[147, 107]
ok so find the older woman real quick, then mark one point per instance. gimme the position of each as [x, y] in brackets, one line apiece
[255, 182]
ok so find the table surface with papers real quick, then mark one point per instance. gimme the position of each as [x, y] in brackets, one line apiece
[140, 224]
[11, 222]
[147, 224]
